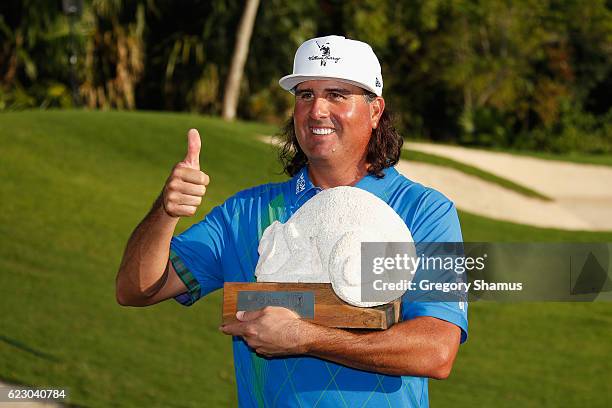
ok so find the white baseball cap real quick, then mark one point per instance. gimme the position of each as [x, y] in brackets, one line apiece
[335, 57]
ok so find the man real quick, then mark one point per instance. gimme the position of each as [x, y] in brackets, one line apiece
[340, 135]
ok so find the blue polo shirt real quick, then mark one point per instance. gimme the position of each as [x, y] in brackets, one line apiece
[223, 248]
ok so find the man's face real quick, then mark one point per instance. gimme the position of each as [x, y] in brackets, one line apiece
[333, 121]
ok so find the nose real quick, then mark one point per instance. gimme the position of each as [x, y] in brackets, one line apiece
[319, 109]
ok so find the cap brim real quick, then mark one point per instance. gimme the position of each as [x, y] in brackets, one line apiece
[289, 82]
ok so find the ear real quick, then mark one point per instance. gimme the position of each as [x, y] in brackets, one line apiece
[377, 107]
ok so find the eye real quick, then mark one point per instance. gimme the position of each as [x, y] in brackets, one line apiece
[336, 96]
[305, 96]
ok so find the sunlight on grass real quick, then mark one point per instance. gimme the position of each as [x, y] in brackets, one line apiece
[74, 186]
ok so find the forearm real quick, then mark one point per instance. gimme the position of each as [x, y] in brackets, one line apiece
[143, 268]
[423, 346]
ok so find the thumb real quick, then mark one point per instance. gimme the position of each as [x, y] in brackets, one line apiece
[194, 144]
[246, 316]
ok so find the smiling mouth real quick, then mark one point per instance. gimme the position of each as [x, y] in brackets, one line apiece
[322, 131]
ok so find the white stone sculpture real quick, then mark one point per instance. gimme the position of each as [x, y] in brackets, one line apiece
[321, 242]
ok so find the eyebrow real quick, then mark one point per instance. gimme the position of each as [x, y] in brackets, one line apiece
[301, 91]
[342, 91]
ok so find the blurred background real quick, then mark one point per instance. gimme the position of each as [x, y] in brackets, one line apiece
[505, 107]
[526, 74]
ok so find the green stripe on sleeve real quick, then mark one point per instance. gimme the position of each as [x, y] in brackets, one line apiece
[193, 286]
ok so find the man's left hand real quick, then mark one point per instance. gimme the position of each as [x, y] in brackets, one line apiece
[271, 331]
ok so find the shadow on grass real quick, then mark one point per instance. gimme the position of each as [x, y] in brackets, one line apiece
[24, 347]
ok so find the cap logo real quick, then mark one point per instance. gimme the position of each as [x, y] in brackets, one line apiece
[377, 84]
[325, 54]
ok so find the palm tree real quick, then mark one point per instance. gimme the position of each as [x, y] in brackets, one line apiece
[241, 50]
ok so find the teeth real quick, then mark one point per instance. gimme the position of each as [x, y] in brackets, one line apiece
[322, 131]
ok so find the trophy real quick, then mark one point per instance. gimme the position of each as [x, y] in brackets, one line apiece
[312, 263]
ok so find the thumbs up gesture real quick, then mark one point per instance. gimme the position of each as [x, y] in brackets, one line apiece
[186, 185]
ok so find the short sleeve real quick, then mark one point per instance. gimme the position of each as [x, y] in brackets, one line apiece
[196, 256]
[436, 220]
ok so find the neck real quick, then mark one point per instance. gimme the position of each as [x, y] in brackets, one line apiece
[325, 175]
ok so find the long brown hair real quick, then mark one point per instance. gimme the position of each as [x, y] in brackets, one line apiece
[384, 147]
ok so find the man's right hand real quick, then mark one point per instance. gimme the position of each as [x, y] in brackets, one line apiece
[186, 185]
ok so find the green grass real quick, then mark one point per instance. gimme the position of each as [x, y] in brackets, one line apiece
[74, 185]
[412, 155]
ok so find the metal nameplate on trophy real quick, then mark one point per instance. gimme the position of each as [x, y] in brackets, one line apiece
[316, 302]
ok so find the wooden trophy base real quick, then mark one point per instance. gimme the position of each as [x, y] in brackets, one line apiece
[315, 302]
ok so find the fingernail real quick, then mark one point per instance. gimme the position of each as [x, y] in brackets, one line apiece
[239, 315]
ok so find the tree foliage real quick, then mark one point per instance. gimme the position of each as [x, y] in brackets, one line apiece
[524, 73]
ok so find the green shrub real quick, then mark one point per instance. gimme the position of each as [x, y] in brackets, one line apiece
[576, 131]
